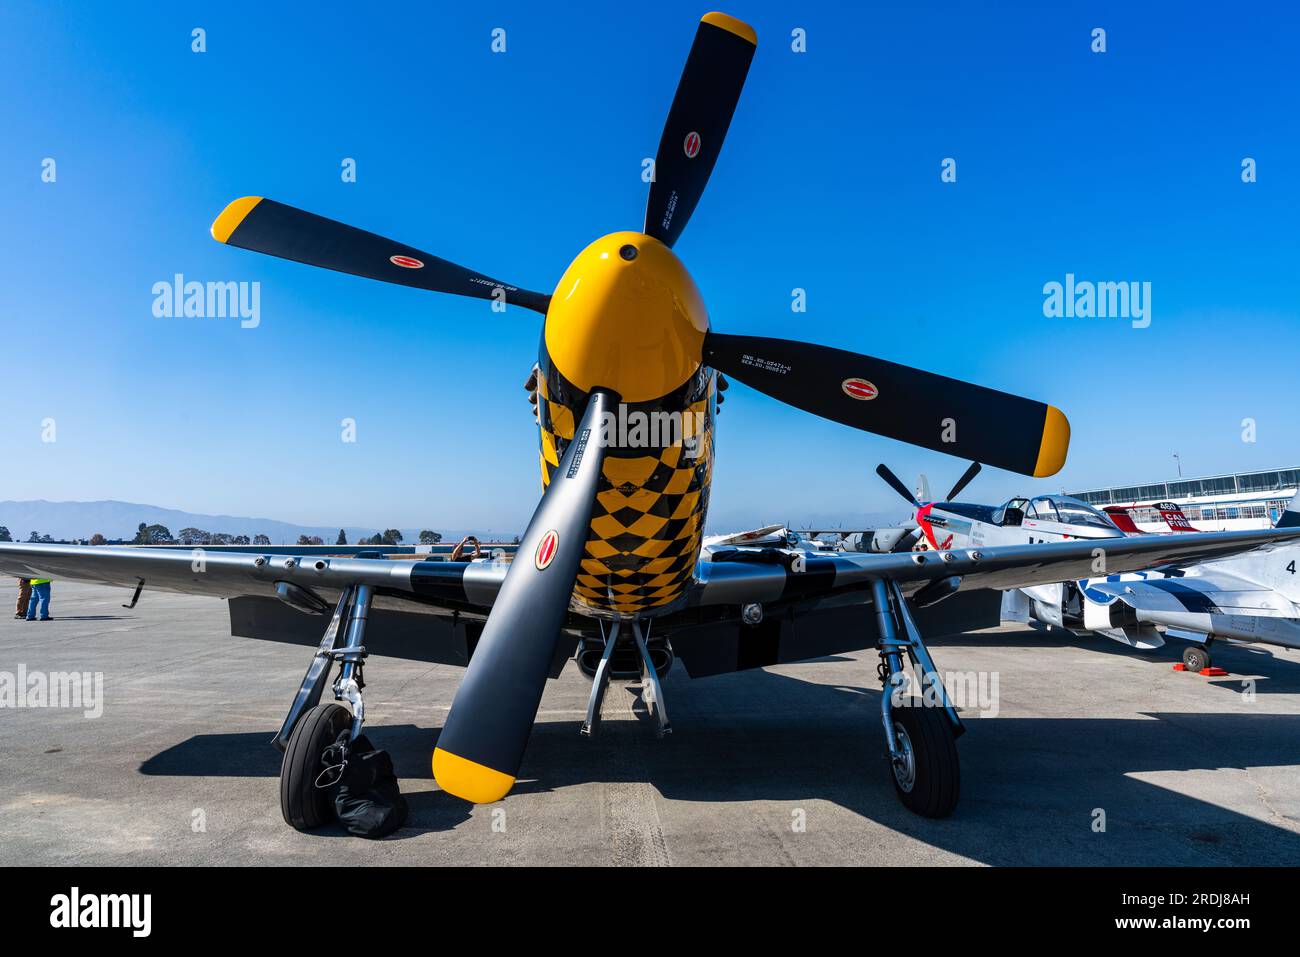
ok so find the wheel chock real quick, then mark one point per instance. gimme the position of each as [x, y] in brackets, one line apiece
[1213, 672]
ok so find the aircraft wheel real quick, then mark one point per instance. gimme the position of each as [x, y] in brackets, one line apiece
[1196, 658]
[928, 780]
[303, 804]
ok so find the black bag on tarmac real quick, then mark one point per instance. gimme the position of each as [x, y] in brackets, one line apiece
[368, 802]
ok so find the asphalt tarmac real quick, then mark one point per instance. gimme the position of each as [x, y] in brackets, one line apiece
[1078, 752]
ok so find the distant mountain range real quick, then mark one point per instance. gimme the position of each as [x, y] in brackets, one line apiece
[69, 520]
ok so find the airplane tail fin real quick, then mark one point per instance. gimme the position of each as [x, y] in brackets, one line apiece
[1174, 517]
[1291, 517]
[1122, 519]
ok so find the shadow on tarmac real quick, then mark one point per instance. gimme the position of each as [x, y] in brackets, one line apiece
[1031, 787]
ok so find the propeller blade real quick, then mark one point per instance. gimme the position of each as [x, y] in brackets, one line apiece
[896, 484]
[962, 482]
[899, 402]
[265, 226]
[482, 742]
[697, 122]
[906, 543]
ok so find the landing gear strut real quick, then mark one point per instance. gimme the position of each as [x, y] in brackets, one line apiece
[311, 727]
[920, 731]
[652, 692]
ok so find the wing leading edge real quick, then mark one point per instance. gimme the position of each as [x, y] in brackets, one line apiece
[225, 574]
[741, 577]
[738, 577]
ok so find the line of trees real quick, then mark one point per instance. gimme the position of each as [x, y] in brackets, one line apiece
[197, 536]
[391, 536]
[38, 538]
[155, 534]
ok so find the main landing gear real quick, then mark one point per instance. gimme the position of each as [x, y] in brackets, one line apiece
[1196, 658]
[311, 727]
[920, 731]
[627, 657]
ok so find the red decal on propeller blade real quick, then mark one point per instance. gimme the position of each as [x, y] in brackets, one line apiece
[546, 549]
[692, 145]
[406, 262]
[859, 389]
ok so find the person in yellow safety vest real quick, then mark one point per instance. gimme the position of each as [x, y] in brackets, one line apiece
[40, 599]
[24, 596]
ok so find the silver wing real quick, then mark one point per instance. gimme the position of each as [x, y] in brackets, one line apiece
[754, 576]
[230, 574]
[436, 607]
[731, 578]
[817, 605]
[425, 610]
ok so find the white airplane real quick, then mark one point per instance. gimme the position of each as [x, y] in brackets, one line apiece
[1251, 597]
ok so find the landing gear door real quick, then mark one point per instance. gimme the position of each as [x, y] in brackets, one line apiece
[1047, 600]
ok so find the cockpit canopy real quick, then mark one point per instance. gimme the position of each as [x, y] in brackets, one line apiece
[1052, 508]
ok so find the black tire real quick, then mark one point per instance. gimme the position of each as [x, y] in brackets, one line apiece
[1196, 658]
[934, 783]
[661, 653]
[587, 657]
[304, 805]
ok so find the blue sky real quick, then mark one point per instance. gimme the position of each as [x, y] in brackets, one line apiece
[1122, 166]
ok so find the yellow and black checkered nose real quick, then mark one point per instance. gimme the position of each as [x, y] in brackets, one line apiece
[647, 522]
[647, 526]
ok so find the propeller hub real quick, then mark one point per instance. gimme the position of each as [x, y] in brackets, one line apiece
[626, 316]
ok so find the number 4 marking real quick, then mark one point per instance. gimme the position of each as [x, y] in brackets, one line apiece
[1291, 567]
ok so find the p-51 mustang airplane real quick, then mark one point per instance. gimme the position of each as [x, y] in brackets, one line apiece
[1253, 598]
[614, 544]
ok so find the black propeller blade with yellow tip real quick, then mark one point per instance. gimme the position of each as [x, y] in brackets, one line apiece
[482, 742]
[265, 226]
[899, 402]
[697, 122]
